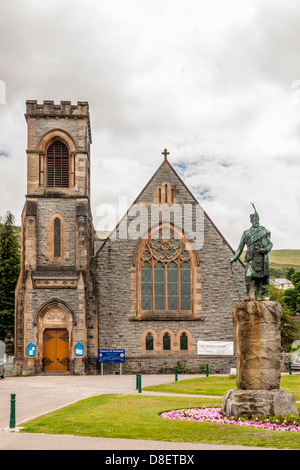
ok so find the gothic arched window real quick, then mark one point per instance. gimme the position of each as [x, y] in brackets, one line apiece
[184, 342]
[57, 238]
[166, 342]
[149, 342]
[57, 165]
[165, 266]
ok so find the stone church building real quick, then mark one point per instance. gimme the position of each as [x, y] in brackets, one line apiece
[159, 286]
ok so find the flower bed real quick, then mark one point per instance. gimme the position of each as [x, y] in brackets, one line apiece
[213, 415]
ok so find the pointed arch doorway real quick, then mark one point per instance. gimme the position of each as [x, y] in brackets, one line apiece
[56, 350]
[55, 331]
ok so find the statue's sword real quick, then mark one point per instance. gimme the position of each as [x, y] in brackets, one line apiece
[237, 289]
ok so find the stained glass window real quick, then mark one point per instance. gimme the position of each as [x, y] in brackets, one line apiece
[165, 273]
[184, 342]
[166, 342]
[159, 286]
[149, 342]
[146, 287]
[185, 286]
[172, 271]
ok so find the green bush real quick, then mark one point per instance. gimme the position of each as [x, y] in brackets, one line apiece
[182, 368]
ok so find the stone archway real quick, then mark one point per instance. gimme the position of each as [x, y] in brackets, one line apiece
[54, 341]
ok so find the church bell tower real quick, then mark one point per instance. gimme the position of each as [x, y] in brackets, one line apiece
[53, 307]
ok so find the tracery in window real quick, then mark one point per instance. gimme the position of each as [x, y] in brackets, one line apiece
[165, 274]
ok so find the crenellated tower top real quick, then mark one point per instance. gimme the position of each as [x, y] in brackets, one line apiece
[58, 148]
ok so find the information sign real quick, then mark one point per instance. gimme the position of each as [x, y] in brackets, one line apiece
[111, 355]
[78, 349]
[30, 349]
[215, 348]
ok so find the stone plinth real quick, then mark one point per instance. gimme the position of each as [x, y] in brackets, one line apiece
[257, 342]
[258, 402]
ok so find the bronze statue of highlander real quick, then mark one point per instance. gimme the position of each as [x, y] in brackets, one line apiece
[257, 336]
[258, 243]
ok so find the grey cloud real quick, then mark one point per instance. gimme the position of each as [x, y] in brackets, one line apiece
[266, 50]
[212, 89]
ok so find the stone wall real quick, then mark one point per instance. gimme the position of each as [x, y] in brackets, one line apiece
[46, 117]
[47, 208]
[70, 123]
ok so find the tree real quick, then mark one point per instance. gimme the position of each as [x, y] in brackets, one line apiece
[289, 330]
[292, 296]
[289, 273]
[285, 272]
[10, 262]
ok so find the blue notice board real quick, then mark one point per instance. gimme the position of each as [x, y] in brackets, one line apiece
[30, 349]
[78, 349]
[111, 355]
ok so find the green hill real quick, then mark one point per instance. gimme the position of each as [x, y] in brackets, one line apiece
[283, 258]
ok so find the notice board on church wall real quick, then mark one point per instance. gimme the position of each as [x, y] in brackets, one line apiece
[215, 348]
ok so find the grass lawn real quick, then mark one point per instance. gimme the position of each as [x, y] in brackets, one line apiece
[215, 386]
[138, 417]
[219, 385]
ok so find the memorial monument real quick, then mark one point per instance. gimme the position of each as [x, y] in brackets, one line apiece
[257, 336]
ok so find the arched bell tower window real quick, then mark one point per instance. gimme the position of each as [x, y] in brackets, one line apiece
[57, 165]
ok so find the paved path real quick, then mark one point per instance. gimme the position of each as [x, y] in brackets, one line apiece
[37, 395]
[22, 441]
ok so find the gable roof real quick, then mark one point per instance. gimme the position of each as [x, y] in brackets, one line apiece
[164, 164]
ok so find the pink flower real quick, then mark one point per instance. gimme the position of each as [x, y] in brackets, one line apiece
[213, 415]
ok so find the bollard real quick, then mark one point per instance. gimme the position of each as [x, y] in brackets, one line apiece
[206, 367]
[176, 373]
[140, 384]
[12, 421]
[290, 368]
[137, 381]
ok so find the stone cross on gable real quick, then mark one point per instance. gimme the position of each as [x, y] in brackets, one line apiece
[165, 153]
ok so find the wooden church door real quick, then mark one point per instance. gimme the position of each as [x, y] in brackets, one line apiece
[56, 350]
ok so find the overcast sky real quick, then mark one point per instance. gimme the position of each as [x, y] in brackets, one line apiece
[215, 82]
